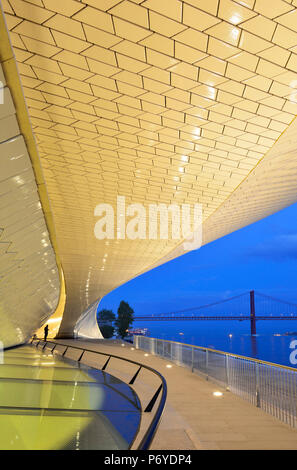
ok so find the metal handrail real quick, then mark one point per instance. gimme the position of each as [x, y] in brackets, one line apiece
[149, 435]
[259, 361]
[271, 387]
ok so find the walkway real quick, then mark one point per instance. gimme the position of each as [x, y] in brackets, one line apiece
[48, 402]
[193, 417]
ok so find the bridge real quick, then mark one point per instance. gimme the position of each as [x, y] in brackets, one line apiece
[241, 307]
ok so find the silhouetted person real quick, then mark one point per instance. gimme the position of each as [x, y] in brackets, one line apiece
[45, 332]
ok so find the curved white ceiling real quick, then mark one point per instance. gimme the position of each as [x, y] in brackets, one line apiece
[158, 101]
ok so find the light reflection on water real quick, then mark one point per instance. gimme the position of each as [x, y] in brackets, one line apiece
[270, 344]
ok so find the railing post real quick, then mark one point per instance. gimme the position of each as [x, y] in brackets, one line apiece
[179, 353]
[206, 365]
[135, 376]
[152, 345]
[106, 363]
[136, 341]
[192, 358]
[150, 406]
[227, 372]
[80, 357]
[258, 401]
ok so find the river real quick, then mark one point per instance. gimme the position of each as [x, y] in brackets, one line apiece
[271, 343]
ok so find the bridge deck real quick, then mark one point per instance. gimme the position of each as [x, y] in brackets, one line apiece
[216, 317]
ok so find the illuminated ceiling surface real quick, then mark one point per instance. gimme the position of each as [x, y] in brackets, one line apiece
[158, 101]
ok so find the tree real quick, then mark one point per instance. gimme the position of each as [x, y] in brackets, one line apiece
[107, 331]
[105, 317]
[125, 319]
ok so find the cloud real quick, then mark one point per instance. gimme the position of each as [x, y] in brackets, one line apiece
[280, 248]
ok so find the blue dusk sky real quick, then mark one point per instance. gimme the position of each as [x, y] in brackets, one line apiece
[262, 256]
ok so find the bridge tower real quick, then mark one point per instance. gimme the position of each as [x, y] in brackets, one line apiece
[252, 312]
